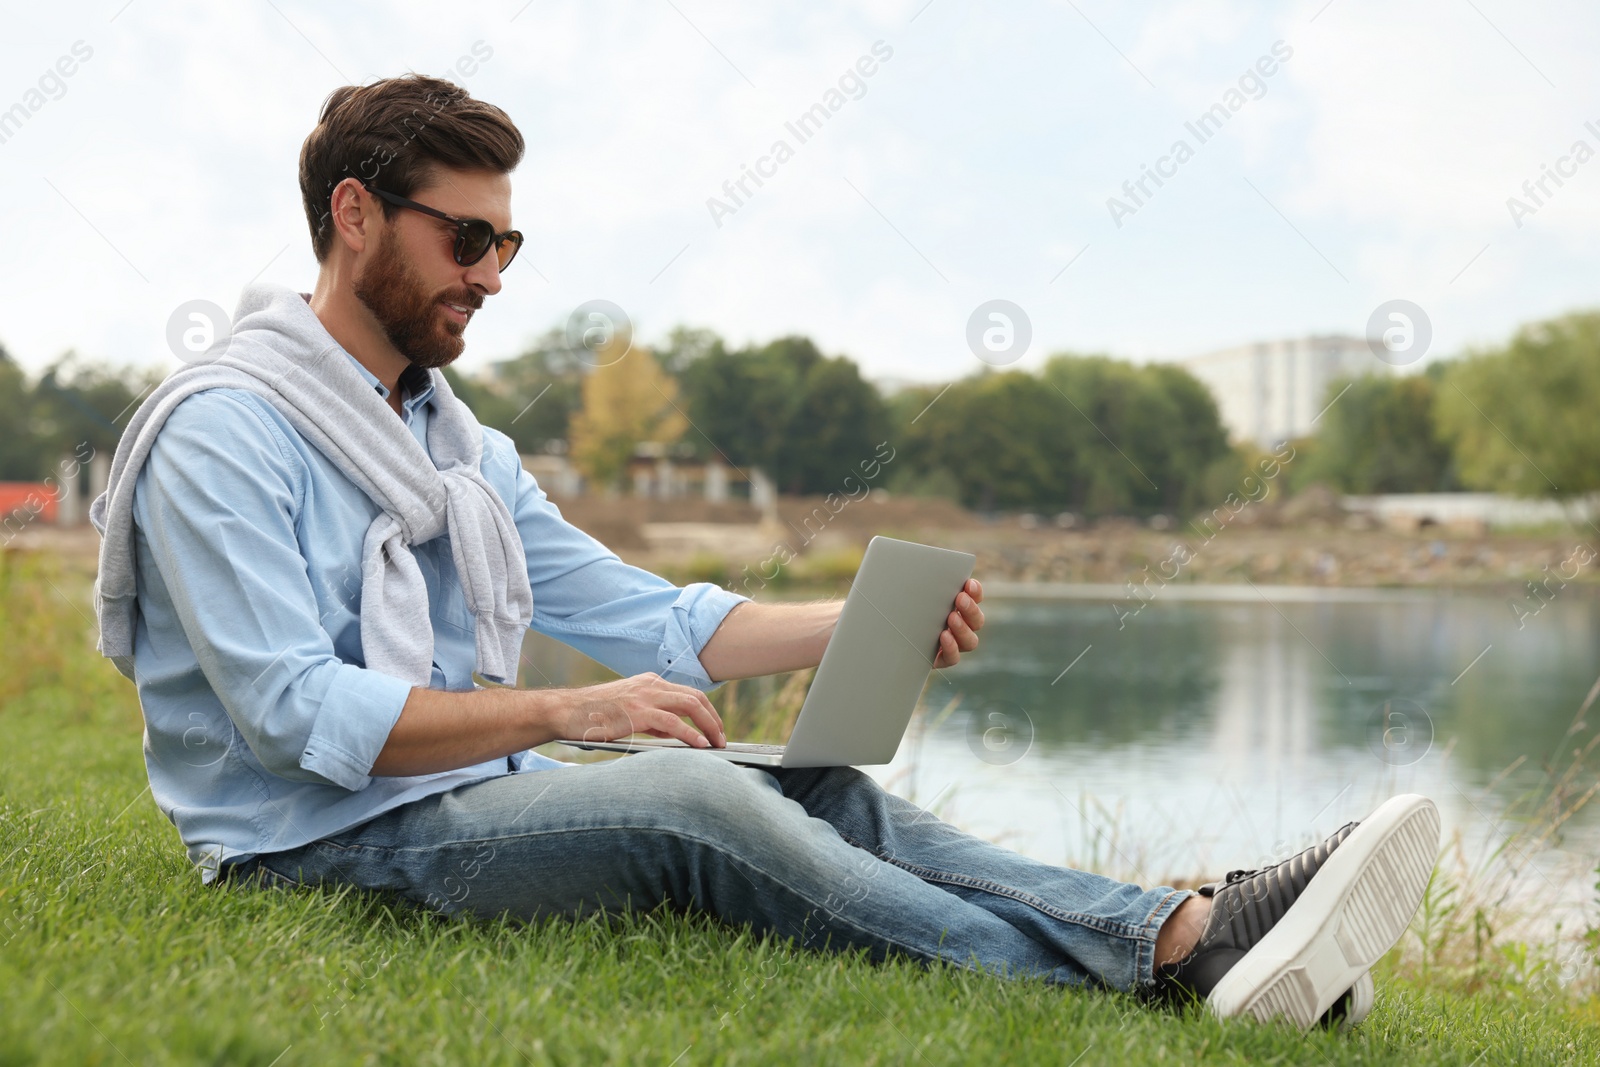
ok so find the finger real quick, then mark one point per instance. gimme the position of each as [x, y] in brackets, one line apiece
[966, 639]
[949, 653]
[687, 700]
[965, 629]
[975, 589]
[714, 715]
[971, 613]
[699, 708]
[671, 725]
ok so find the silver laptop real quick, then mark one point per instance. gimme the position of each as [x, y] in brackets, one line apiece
[872, 671]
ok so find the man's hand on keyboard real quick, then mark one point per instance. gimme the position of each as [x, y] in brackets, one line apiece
[643, 704]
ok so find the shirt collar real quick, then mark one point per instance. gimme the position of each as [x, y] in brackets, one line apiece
[416, 384]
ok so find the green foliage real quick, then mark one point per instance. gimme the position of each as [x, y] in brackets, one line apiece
[532, 397]
[737, 402]
[48, 661]
[1088, 434]
[685, 345]
[1522, 418]
[75, 408]
[763, 710]
[1379, 437]
[1002, 437]
[23, 454]
[79, 401]
[927, 484]
[804, 418]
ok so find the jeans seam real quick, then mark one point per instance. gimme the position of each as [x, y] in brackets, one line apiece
[768, 875]
[1111, 927]
[929, 874]
[1147, 940]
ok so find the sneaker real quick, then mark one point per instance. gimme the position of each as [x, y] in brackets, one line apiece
[1351, 1009]
[1290, 940]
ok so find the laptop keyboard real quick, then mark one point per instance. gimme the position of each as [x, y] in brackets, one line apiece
[672, 742]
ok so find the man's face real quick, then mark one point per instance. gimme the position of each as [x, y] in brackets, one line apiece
[410, 280]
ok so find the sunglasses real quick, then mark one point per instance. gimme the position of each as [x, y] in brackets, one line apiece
[474, 237]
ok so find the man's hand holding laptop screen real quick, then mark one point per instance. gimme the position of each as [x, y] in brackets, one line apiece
[755, 639]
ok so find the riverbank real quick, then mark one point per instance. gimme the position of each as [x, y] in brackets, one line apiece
[1106, 560]
[1308, 557]
[818, 542]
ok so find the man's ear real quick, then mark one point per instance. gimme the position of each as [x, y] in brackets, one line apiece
[355, 214]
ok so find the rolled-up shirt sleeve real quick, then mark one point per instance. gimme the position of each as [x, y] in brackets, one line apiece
[623, 616]
[216, 501]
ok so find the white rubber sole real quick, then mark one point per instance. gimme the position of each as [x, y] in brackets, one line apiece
[1363, 995]
[1352, 912]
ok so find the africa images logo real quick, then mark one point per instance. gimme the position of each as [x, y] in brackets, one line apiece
[1252, 85]
[803, 128]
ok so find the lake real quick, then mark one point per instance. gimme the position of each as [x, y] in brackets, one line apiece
[1228, 727]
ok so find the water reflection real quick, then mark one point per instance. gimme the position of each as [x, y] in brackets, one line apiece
[1291, 682]
[1200, 736]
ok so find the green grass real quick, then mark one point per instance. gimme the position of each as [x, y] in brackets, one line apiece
[112, 952]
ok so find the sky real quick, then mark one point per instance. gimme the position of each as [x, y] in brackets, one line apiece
[1367, 153]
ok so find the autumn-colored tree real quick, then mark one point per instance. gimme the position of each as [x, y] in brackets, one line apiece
[626, 401]
[531, 397]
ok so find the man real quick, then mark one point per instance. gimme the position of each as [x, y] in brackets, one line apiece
[310, 546]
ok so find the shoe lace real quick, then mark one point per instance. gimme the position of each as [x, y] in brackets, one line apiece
[1241, 875]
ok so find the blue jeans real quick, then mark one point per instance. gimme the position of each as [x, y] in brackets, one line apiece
[823, 856]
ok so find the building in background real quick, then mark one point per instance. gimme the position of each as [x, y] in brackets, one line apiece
[653, 473]
[1274, 390]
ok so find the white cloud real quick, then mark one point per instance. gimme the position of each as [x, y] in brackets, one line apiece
[990, 142]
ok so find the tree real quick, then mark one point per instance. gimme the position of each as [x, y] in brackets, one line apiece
[1522, 418]
[739, 405]
[1003, 437]
[626, 401]
[806, 419]
[22, 454]
[684, 346]
[1086, 433]
[835, 422]
[1122, 423]
[1198, 453]
[1379, 437]
[79, 405]
[531, 398]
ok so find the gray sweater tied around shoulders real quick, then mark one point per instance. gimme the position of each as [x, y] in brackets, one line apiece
[280, 350]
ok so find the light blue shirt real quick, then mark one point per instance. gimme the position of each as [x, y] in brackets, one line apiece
[261, 720]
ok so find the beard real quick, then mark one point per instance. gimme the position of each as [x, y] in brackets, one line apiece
[409, 314]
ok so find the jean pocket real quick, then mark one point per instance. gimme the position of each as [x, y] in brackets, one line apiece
[271, 879]
[253, 872]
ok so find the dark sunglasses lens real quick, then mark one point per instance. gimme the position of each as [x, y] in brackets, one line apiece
[472, 241]
[510, 245]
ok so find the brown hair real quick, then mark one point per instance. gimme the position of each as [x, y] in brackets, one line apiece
[392, 133]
